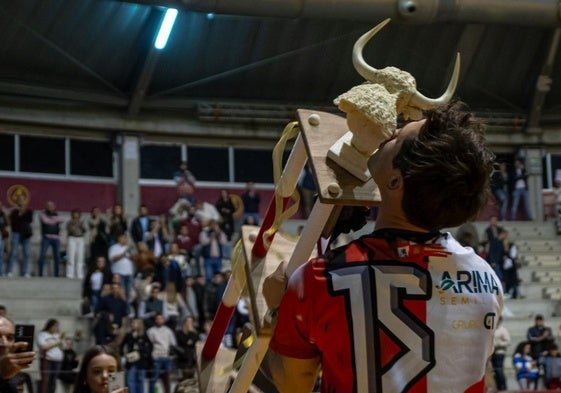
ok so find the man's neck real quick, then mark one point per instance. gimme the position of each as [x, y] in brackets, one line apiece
[395, 219]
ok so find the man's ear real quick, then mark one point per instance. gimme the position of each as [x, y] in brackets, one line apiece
[395, 182]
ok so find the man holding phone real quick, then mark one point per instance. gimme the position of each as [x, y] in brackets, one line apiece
[11, 361]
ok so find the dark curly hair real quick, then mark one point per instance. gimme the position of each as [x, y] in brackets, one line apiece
[81, 385]
[446, 170]
[49, 324]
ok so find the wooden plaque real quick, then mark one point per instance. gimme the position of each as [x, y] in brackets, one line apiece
[318, 138]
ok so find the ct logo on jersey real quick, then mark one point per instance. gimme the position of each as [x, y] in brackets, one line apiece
[489, 320]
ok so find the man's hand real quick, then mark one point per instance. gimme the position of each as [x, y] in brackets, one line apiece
[274, 286]
[545, 335]
[11, 363]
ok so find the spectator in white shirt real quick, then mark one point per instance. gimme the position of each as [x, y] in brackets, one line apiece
[48, 341]
[121, 262]
[75, 247]
[163, 340]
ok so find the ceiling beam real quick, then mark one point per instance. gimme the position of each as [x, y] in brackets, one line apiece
[511, 12]
[32, 90]
[147, 67]
[543, 84]
[467, 46]
[181, 126]
[250, 66]
[68, 56]
[115, 122]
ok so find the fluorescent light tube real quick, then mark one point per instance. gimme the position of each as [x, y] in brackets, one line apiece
[165, 28]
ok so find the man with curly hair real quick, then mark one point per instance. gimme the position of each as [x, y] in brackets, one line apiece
[406, 308]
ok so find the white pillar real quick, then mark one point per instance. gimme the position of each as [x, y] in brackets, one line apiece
[534, 168]
[129, 174]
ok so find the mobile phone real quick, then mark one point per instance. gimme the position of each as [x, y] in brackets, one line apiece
[116, 381]
[25, 333]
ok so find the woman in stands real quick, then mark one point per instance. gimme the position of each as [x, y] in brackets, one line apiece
[174, 304]
[525, 366]
[97, 365]
[187, 338]
[98, 276]
[137, 350]
[49, 342]
[117, 223]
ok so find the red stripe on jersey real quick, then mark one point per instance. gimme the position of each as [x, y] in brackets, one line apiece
[479, 387]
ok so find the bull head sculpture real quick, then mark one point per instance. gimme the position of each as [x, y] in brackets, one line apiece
[410, 102]
[372, 107]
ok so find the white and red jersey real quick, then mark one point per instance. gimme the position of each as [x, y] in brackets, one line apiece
[389, 314]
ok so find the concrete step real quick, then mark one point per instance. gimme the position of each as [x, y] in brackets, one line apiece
[518, 229]
[538, 290]
[542, 259]
[19, 307]
[528, 230]
[533, 290]
[539, 249]
[518, 327]
[40, 287]
[552, 293]
[550, 280]
[529, 274]
[527, 308]
[531, 257]
[41, 296]
[542, 242]
[538, 274]
[77, 327]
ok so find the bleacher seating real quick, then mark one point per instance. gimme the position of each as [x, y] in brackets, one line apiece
[540, 254]
[34, 300]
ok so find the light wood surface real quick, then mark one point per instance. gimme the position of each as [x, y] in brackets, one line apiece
[214, 376]
[318, 139]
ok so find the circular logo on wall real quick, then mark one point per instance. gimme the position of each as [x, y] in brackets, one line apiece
[16, 192]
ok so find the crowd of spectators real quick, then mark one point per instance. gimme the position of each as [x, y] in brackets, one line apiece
[150, 285]
[536, 360]
[498, 250]
[171, 267]
[510, 187]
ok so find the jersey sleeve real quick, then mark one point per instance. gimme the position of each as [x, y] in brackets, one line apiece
[291, 335]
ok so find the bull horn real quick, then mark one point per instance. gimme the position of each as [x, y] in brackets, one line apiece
[366, 71]
[420, 101]
[370, 73]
